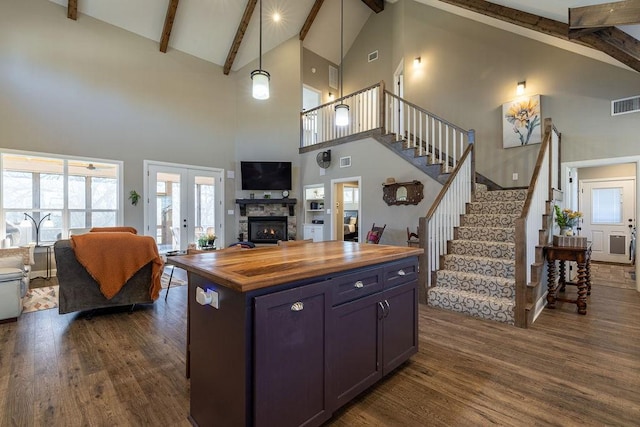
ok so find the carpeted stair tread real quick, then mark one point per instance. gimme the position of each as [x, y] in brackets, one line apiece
[488, 234]
[489, 220]
[482, 306]
[500, 195]
[503, 250]
[494, 286]
[480, 265]
[502, 207]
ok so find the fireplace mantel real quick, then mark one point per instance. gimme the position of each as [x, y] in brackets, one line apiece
[284, 202]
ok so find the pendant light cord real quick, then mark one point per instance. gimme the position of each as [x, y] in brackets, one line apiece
[260, 47]
[341, 43]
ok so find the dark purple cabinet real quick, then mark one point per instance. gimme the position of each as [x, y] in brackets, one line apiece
[373, 335]
[290, 357]
[293, 354]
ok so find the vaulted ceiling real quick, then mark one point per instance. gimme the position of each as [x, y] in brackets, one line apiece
[226, 32]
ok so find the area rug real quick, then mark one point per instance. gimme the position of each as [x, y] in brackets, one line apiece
[175, 281]
[40, 299]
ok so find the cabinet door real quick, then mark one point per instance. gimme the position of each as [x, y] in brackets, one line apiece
[355, 347]
[400, 325]
[290, 357]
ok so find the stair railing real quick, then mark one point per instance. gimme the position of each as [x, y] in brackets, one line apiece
[437, 228]
[528, 233]
[440, 140]
[318, 125]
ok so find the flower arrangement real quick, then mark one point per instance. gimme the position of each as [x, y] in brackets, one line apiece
[566, 218]
[206, 240]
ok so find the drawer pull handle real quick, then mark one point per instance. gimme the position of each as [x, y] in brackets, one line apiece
[358, 284]
[401, 273]
[298, 306]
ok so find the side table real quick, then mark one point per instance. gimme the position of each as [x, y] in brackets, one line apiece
[582, 256]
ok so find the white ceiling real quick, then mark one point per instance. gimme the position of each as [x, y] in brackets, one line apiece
[206, 28]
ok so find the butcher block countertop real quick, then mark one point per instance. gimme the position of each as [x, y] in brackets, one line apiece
[249, 269]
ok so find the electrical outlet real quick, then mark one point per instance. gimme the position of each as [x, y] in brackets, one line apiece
[514, 176]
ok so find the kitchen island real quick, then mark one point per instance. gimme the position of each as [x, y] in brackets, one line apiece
[284, 336]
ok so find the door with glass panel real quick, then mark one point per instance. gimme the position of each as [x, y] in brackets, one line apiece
[609, 217]
[184, 204]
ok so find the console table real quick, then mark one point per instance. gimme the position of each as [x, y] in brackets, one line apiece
[582, 256]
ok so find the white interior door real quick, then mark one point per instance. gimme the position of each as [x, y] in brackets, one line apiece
[608, 207]
[183, 204]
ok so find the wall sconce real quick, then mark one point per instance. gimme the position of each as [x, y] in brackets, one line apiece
[416, 62]
[47, 223]
[331, 97]
[521, 87]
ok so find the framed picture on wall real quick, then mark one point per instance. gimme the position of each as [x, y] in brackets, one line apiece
[521, 122]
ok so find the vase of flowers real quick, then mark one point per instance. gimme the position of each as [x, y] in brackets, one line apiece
[566, 220]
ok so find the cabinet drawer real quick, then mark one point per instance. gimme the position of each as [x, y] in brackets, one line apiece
[356, 285]
[401, 272]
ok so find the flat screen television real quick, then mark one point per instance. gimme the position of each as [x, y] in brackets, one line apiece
[266, 175]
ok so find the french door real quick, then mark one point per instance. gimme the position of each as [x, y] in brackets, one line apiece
[183, 204]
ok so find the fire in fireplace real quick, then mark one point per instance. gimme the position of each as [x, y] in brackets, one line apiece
[267, 229]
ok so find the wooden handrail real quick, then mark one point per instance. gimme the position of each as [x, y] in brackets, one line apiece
[536, 169]
[422, 110]
[336, 101]
[445, 187]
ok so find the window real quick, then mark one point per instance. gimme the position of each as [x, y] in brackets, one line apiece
[76, 193]
[606, 206]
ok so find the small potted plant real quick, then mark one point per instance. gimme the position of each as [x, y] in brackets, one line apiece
[207, 241]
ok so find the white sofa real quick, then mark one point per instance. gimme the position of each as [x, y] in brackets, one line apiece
[15, 265]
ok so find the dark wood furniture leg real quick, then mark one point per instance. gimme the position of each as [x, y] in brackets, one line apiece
[582, 288]
[551, 295]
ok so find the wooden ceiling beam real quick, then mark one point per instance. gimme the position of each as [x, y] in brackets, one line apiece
[237, 40]
[72, 10]
[613, 42]
[376, 5]
[172, 8]
[605, 15]
[617, 44]
[310, 18]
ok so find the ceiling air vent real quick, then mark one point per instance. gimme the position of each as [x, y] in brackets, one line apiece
[625, 106]
[373, 56]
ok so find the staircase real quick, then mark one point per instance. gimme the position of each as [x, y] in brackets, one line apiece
[477, 275]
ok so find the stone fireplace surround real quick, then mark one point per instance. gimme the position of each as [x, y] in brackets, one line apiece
[257, 209]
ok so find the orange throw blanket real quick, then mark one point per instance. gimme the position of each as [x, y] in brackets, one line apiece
[102, 229]
[112, 258]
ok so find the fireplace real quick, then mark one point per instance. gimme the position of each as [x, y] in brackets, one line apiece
[267, 229]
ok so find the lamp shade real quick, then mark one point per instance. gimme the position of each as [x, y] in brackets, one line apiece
[342, 114]
[260, 79]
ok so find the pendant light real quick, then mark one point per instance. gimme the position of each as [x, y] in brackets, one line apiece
[342, 109]
[260, 77]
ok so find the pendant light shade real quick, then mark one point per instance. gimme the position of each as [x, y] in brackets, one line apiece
[342, 114]
[342, 109]
[260, 84]
[260, 78]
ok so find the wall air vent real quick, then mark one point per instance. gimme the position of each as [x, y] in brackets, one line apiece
[345, 162]
[373, 56]
[625, 106]
[333, 77]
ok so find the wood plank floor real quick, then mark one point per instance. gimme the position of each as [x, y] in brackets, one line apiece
[118, 369]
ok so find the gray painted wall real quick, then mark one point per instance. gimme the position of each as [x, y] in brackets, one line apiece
[86, 88]
[610, 171]
[470, 69]
[374, 163]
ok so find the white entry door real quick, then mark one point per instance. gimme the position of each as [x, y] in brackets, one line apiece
[183, 204]
[609, 216]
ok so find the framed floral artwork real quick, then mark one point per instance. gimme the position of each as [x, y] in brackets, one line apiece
[521, 122]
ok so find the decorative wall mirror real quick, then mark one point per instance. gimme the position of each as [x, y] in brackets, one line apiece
[402, 193]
